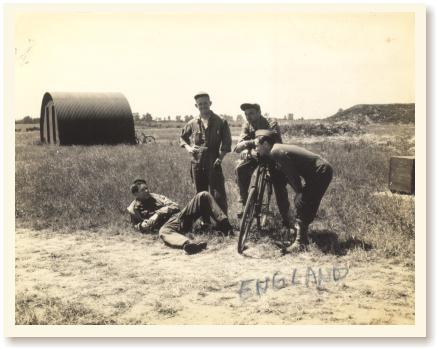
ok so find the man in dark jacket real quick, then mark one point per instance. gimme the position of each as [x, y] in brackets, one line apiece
[150, 212]
[207, 138]
[296, 163]
[247, 165]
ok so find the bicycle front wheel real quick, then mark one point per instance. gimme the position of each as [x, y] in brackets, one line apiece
[247, 219]
[265, 206]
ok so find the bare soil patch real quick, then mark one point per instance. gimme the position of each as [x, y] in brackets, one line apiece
[129, 278]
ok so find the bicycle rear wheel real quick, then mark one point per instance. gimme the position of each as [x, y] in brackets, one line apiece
[247, 219]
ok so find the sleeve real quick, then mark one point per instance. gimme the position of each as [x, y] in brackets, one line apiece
[135, 214]
[294, 180]
[226, 140]
[245, 133]
[288, 170]
[186, 132]
[168, 208]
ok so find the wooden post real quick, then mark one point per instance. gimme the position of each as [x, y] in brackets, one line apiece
[402, 174]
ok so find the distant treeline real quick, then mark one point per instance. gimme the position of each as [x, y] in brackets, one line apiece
[171, 124]
[360, 113]
[28, 120]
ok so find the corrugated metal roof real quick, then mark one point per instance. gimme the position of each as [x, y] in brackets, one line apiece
[91, 118]
[84, 105]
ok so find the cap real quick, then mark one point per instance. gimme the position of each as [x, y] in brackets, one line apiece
[265, 133]
[201, 94]
[246, 106]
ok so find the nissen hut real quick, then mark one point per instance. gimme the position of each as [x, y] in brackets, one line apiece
[86, 118]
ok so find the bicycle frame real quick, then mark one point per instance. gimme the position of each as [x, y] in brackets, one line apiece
[264, 191]
[256, 207]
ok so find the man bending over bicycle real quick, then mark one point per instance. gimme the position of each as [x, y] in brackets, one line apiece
[248, 163]
[296, 163]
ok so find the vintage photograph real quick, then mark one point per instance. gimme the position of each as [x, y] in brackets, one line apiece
[216, 164]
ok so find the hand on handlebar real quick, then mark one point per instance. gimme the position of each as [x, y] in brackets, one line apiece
[248, 154]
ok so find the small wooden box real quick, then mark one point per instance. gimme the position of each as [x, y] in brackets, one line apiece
[402, 174]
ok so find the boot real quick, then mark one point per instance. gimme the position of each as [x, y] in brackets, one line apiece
[301, 241]
[286, 238]
[225, 227]
[194, 247]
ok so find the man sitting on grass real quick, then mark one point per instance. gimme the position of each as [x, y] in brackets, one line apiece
[150, 212]
[296, 163]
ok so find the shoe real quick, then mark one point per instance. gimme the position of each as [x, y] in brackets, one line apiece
[194, 247]
[230, 233]
[226, 228]
[285, 238]
[301, 242]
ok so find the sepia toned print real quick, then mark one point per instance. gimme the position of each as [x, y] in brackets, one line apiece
[131, 202]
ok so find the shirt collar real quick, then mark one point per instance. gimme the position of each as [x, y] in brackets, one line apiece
[210, 115]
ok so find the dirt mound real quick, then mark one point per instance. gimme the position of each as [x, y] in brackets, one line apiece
[377, 113]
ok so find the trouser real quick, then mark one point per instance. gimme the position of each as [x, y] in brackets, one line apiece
[201, 205]
[210, 178]
[244, 172]
[308, 201]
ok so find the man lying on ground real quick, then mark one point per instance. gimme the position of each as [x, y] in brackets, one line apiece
[150, 212]
[296, 163]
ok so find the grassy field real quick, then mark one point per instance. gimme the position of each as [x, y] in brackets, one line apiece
[78, 261]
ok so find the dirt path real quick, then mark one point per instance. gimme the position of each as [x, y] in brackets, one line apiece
[86, 278]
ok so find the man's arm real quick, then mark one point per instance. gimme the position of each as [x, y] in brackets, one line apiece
[168, 206]
[245, 140]
[226, 143]
[295, 182]
[243, 145]
[288, 169]
[135, 214]
[167, 209]
[185, 139]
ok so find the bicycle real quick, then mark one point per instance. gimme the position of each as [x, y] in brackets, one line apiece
[142, 138]
[257, 207]
[258, 203]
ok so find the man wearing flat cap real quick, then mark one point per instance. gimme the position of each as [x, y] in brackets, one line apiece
[248, 163]
[207, 138]
[297, 163]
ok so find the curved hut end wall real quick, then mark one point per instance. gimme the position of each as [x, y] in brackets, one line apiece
[50, 133]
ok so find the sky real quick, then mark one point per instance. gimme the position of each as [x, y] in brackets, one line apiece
[308, 64]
